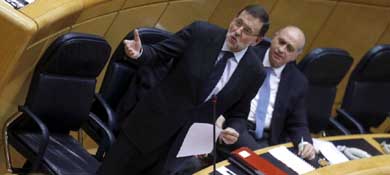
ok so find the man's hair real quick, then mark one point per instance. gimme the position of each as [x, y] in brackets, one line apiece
[260, 13]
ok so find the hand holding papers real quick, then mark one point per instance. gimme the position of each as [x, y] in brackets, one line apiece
[199, 140]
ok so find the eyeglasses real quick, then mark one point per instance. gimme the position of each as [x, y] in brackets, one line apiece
[238, 22]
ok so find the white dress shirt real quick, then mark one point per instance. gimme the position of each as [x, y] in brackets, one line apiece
[274, 84]
[231, 66]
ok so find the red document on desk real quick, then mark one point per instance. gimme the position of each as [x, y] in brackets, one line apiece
[254, 161]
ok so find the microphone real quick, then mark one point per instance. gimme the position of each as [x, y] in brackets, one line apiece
[214, 102]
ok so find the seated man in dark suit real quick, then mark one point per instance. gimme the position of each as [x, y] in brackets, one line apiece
[207, 61]
[278, 111]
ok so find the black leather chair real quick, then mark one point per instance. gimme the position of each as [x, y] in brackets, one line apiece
[59, 101]
[324, 69]
[125, 79]
[265, 42]
[367, 95]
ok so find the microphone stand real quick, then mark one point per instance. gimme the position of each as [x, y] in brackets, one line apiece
[214, 101]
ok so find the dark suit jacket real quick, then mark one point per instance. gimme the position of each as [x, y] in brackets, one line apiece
[289, 118]
[174, 103]
[143, 79]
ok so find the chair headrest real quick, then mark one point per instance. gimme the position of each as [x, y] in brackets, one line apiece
[375, 65]
[317, 64]
[75, 54]
[265, 42]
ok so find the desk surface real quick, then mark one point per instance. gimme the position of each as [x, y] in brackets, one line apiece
[376, 165]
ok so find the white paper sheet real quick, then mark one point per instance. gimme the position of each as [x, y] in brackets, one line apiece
[329, 151]
[291, 160]
[199, 140]
[225, 171]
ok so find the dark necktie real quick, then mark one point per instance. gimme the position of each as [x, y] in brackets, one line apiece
[215, 74]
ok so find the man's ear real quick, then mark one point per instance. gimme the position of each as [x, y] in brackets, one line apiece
[257, 41]
[295, 57]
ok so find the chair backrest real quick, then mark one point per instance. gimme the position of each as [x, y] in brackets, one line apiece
[123, 72]
[324, 68]
[265, 42]
[63, 84]
[368, 91]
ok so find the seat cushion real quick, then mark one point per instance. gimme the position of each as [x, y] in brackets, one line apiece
[64, 155]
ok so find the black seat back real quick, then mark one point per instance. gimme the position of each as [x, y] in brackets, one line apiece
[368, 90]
[266, 42]
[324, 68]
[59, 100]
[63, 84]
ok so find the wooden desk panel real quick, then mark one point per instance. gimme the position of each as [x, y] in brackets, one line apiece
[377, 165]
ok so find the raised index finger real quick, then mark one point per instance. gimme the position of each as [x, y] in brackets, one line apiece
[136, 36]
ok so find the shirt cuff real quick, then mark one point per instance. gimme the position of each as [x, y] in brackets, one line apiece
[140, 53]
[135, 58]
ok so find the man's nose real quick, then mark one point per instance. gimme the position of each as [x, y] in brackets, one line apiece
[239, 30]
[279, 49]
[283, 48]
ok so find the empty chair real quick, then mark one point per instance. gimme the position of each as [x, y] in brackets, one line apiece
[59, 101]
[367, 95]
[126, 80]
[324, 69]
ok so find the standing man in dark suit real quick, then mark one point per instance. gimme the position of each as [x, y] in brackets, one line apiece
[278, 111]
[208, 61]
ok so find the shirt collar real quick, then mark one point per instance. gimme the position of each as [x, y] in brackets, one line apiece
[237, 55]
[276, 71]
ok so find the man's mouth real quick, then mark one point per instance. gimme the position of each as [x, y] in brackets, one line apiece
[276, 55]
[233, 39]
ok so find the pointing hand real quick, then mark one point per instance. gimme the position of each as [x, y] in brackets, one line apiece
[133, 47]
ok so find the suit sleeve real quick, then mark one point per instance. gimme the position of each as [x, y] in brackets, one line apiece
[236, 116]
[170, 48]
[297, 125]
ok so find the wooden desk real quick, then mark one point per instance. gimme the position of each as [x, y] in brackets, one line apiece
[376, 165]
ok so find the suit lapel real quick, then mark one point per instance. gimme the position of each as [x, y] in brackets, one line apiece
[282, 95]
[210, 54]
[238, 75]
[208, 57]
[242, 72]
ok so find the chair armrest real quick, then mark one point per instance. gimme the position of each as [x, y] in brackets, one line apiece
[339, 126]
[45, 135]
[111, 115]
[107, 132]
[109, 136]
[347, 116]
